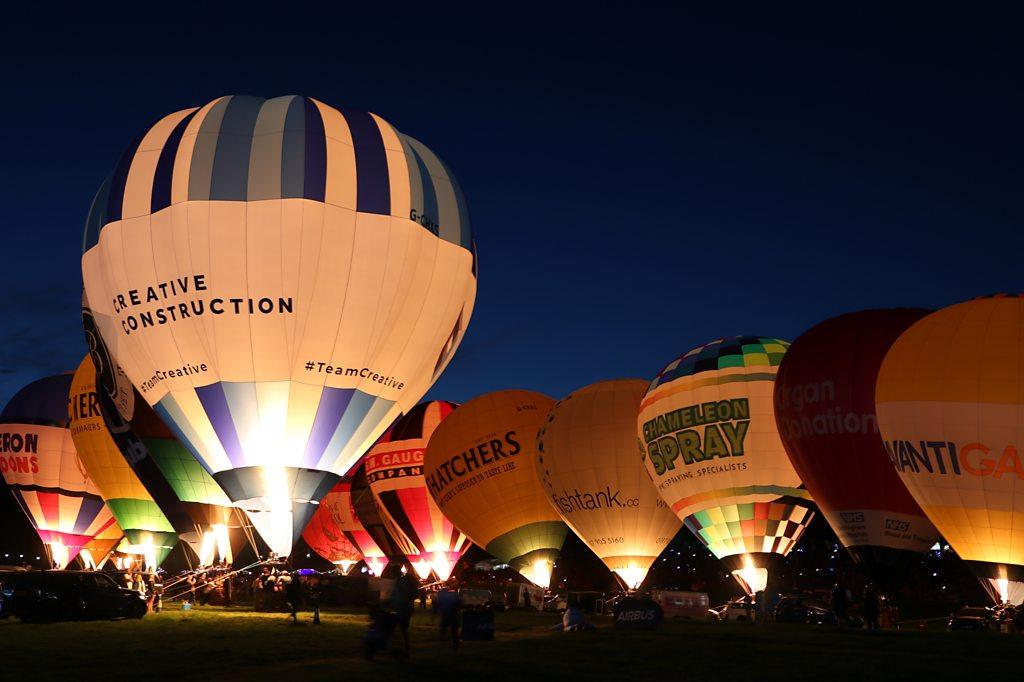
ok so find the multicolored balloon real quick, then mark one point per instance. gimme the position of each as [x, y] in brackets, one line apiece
[594, 476]
[41, 467]
[280, 280]
[479, 467]
[192, 501]
[100, 549]
[394, 472]
[825, 408]
[336, 534]
[147, 530]
[712, 447]
[950, 403]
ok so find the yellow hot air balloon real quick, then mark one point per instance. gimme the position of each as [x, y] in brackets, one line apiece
[479, 467]
[713, 449]
[280, 280]
[146, 529]
[950, 404]
[594, 477]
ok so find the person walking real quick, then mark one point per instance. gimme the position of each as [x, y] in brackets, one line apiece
[402, 602]
[293, 593]
[872, 607]
[314, 598]
[840, 602]
[448, 605]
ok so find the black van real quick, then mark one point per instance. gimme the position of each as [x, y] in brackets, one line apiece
[72, 595]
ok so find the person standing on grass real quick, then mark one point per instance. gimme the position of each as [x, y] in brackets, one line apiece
[293, 593]
[314, 598]
[402, 602]
[447, 604]
[872, 607]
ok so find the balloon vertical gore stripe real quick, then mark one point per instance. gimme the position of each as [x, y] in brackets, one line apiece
[373, 189]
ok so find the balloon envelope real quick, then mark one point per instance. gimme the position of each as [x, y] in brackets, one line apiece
[594, 476]
[394, 472]
[40, 464]
[480, 469]
[713, 449]
[336, 534]
[144, 525]
[825, 407]
[950, 402]
[280, 280]
[194, 504]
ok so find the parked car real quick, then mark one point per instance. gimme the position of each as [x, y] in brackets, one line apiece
[977, 618]
[73, 595]
[737, 610]
[9, 576]
[800, 609]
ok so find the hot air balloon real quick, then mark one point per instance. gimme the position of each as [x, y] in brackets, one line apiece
[479, 467]
[40, 464]
[147, 530]
[713, 449]
[394, 472]
[101, 548]
[280, 280]
[825, 408]
[192, 501]
[950, 403]
[334, 529]
[593, 474]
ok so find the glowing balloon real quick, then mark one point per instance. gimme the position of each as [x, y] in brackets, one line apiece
[280, 280]
[595, 479]
[100, 549]
[825, 407]
[40, 464]
[192, 501]
[335, 531]
[950, 403]
[479, 467]
[712, 447]
[146, 528]
[394, 472]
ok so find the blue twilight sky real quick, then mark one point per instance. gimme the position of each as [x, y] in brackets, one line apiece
[639, 182]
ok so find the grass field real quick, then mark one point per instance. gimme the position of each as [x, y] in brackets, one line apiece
[211, 643]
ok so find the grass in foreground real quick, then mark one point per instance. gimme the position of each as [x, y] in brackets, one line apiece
[213, 643]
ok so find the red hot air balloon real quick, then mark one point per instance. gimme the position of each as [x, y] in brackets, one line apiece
[394, 472]
[335, 526]
[825, 409]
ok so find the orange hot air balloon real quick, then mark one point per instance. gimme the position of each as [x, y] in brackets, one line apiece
[950, 403]
[825, 408]
[394, 472]
[479, 467]
[595, 478]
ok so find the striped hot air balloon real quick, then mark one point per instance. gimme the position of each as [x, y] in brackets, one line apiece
[394, 472]
[712, 446]
[192, 501]
[39, 461]
[335, 530]
[280, 280]
[146, 529]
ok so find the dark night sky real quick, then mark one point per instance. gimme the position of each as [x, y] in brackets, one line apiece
[638, 183]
